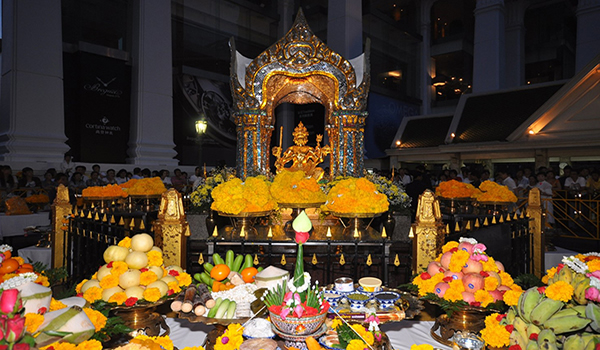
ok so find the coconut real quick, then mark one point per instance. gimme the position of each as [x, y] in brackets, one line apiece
[71, 320]
[35, 297]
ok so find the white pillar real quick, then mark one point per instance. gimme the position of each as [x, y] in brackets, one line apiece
[588, 27]
[489, 54]
[427, 71]
[151, 139]
[32, 101]
[344, 27]
[515, 43]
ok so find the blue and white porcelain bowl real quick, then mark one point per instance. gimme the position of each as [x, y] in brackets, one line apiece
[333, 297]
[357, 300]
[387, 299]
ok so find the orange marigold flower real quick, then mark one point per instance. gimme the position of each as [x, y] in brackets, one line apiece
[151, 294]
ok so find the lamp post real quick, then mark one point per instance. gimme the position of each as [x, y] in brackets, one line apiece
[201, 125]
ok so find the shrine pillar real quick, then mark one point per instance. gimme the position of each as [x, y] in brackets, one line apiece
[254, 129]
[428, 232]
[346, 137]
[171, 229]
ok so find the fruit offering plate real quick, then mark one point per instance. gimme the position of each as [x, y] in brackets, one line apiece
[356, 215]
[330, 341]
[408, 306]
[211, 321]
[144, 304]
[246, 214]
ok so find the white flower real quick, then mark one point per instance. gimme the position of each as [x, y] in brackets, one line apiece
[16, 281]
[5, 248]
[473, 241]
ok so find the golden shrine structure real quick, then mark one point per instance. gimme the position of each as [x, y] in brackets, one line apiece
[300, 69]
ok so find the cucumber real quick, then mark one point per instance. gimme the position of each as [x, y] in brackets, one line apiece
[197, 277]
[221, 313]
[248, 262]
[205, 278]
[215, 308]
[260, 269]
[229, 256]
[237, 263]
[208, 267]
[231, 309]
[217, 259]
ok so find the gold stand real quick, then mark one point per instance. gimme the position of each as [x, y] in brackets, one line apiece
[171, 229]
[428, 231]
[61, 209]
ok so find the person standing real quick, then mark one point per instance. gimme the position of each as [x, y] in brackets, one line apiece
[546, 195]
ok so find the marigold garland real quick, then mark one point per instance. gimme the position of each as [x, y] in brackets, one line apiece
[491, 191]
[97, 318]
[151, 294]
[103, 191]
[37, 199]
[235, 196]
[56, 305]
[33, 322]
[560, 290]
[355, 195]
[145, 187]
[494, 334]
[231, 339]
[455, 189]
[511, 297]
[155, 258]
[295, 187]
[356, 344]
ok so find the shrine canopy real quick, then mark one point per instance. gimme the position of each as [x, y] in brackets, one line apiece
[299, 69]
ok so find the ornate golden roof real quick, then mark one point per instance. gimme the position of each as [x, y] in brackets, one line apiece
[299, 68]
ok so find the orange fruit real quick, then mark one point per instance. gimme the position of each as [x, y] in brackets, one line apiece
[248, 274]
[9, 265]
[7, 254]
[23, 270]
[220, 272]
[27, 266]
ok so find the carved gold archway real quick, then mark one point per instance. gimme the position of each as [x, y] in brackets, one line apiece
[300, 69]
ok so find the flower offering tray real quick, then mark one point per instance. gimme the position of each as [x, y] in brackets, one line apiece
[246, 214]
[408, 306]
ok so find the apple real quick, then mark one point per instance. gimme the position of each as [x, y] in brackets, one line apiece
[445, 261]
[499, 265]
[472, 266]
[473, 282]
[440, 289]
[498, 295]
[468, 297]
[454, 275]
[434, 267]
[466, 246]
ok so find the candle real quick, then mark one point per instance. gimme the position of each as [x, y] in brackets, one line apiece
[329, 232]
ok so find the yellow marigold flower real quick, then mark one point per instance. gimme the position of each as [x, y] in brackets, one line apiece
[458, 260]
[91, 344]
[33, 322]
[147, 277]
[60, 346]
[154, 258]
[234, 333]
[516, 287]
[78, 287]
[507, 280]
[184, 279]
[56, 305]
[97, 318]
[43, 280]
[511, 297]
[453, 295]
[336, 322]
[489, 265]
[421, 347]
[125, 242]
[560, 290]
[593, 265]
[193, 348]
[439, 258]
[118, 268]
[109, 282]
[494, 334]
[118, 298]
[294, 187]
[356, 344]
[174, 286]
[19, 259]
[95, 276]
[355, 195]
[545, 279]
[491, 283]
[92, 294]
[427, 286]
[151, 294]
[449, 246]
[483, 297]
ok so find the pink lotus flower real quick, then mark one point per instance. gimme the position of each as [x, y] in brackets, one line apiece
[594, 274]
[592, 293]
[8, 300]
[284, 313]
[302, 237]
[299, 310]
[479, 248]
[479, 257]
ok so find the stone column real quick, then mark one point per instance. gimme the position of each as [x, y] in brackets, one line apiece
[515, 43]
[489, 49]
[32, 102]
[151, 139]
[588, 26]
[344, 27]
[427, 71]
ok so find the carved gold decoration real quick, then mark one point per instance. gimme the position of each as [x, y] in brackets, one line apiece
[201, 259]
[61, 208]
[256, 262]
[299, 69]
[342, 260]
[429, 231]
[170, 228]
[303, 157]
[396, 261]
[536, 224]
[369, 260]
[314, 259]
[283, 261]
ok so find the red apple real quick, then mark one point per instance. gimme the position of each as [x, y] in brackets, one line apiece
[434, 267]
[498, 295]
[445, 261]
[440, 289]
[503, 288]
[454, 275]
[466, 246]
[495, 275]
[468, 297]
[473, 282]
[499, 265]
[472, 266]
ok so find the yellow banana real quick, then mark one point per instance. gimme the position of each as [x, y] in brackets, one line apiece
[544, 310]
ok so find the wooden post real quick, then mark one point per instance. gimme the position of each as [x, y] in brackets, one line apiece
[428, 232]
[61, 209]
[536, 224]
[171, 229]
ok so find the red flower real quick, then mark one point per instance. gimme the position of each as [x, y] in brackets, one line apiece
[475, 303]
[533, 336]
[559, 267]
[170, 292]
[302, 237]
[173, 273]
[131, 301]
[447, 279]
[276, 309]
[455, 249]
[425, 276]
[484, 274]
[42, 310]
[500, 317]
[143, 269]
[515, 347]
[541, 290]
[109, 265]
[8, 300]
[509, 328]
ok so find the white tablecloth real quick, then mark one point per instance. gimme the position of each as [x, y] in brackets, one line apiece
[553, 258]
[43, 255]
[402, 334]
[13, 225]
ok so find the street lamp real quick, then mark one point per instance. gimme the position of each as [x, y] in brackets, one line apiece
[201, 126]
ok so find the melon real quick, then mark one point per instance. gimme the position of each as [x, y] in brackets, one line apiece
[161, 285]
[168, 279]
[129, 278]
[89, 284]
[174, 267]
[103, 271]
[135, 292]
[142, 242]
[107, 293]
[115, 253]
[157, 270]
[156, 249]
[136, 260]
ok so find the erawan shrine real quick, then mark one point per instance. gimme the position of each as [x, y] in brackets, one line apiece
[300, 247]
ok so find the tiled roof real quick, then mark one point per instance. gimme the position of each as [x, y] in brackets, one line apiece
[426, 132]
[494, 117]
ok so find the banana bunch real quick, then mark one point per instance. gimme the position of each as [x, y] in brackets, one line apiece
[550, 319]
[579, 282]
